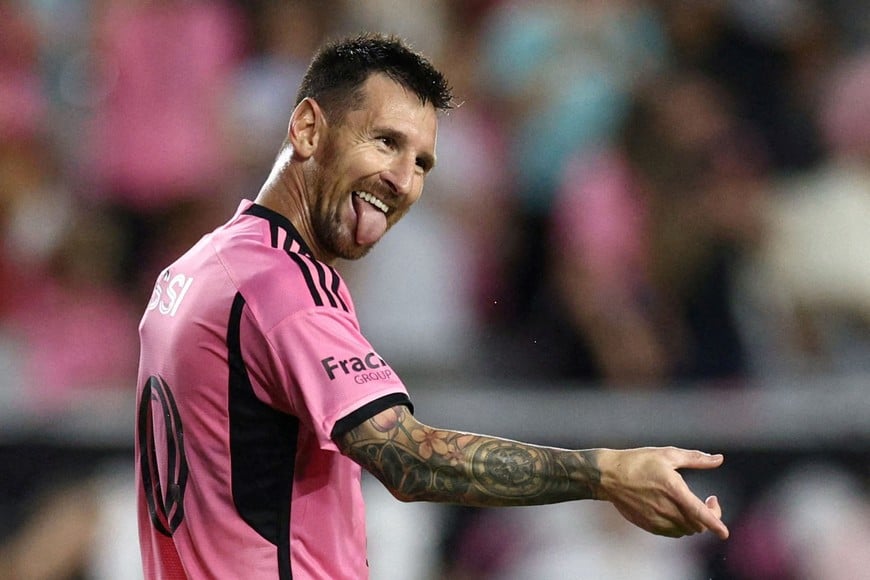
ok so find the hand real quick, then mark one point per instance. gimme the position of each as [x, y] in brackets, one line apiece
[646, 488]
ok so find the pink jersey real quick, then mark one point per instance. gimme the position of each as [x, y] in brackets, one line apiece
[252, 362]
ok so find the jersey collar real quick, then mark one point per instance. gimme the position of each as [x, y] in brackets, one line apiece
[277, 221]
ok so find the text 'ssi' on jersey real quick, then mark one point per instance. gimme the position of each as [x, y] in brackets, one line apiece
[252, 360]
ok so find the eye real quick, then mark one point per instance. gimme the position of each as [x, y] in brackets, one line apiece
[424, 164]
[388, 141]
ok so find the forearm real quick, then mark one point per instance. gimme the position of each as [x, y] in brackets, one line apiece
[416, 462]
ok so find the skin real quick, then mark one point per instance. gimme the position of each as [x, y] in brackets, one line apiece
[387, 147]
[421, 463]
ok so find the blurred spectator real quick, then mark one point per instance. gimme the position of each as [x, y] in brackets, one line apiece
[808, 293]
[565, 70]
[69, 333]
[74, 327]
[645, 240]
[66, 70]
[69, 325]
[78, 528]
[78, 328]
[425, 24]
[54, 543]
[263, 90]
[766, 54]
[814, 522]
[65, 328]
[561, 73]
[158, 147]
[34, 210]
[22, 100]
[33, 213]
[566, 542]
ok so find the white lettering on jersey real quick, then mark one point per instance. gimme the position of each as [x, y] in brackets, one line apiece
[168, 293]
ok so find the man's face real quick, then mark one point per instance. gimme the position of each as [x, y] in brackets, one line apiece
[371, 168]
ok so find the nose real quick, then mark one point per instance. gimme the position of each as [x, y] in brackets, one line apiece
[400, 175]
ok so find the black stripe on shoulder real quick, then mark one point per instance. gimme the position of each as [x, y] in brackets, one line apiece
[367, 411]
[321, 280]
[322, 290]
[309, 280]
[276, 219]
[335, 284]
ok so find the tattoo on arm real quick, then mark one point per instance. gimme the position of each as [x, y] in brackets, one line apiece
[417, 462]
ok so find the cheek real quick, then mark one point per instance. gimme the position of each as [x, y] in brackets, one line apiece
[415, 196]
[410, 199]
[398, 214]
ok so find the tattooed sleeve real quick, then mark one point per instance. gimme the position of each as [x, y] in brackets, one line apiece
[416, 462]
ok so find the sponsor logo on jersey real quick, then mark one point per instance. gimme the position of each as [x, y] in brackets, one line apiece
[365, 368]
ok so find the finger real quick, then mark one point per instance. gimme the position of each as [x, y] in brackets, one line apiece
[711, 516]
[721, 530]
[695, 517]
[712, 502]
[714, 505]
[700, 460]
[700, 515]
[688, 508]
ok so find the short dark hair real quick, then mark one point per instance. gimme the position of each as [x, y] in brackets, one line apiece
[339, 69]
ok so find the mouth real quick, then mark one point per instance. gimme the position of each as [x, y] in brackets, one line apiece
[371, 217]
[371, 199]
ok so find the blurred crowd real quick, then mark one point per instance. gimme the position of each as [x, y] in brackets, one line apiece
[632, 194]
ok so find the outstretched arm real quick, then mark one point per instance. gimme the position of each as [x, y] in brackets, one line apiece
[417, 462]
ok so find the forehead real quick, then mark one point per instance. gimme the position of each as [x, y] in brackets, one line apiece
[389, 105]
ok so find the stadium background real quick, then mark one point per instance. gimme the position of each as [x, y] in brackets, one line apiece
[649, 226]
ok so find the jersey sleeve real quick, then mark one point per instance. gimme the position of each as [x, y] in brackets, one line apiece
[331, 374]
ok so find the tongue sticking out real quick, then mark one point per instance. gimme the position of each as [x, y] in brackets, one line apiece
[371, 223]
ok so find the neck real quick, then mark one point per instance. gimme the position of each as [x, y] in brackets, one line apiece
[285, 192]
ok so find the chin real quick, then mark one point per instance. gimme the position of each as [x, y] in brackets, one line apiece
[355, 253]
[345, 249]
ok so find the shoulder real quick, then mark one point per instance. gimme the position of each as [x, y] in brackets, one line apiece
[273, 272]
[277, 284]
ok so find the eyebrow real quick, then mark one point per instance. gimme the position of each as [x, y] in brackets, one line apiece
[426, 160]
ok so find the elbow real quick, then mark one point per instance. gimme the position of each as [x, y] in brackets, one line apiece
[405, 493]
[399, 492]
[393, 482]
[402, 496]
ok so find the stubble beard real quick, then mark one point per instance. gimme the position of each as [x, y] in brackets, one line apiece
[331, 233]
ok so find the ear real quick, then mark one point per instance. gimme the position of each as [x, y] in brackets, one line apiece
[307, 123]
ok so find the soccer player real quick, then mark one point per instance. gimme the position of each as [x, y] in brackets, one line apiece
[260, 400]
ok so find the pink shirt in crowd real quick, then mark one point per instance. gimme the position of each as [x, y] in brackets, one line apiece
[165, 67]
